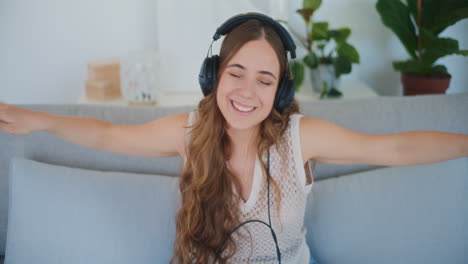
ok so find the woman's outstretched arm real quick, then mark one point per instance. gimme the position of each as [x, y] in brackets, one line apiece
[328, 143]
[160, 138]
[422, 147]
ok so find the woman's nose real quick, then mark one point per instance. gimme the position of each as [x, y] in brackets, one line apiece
[247, 88]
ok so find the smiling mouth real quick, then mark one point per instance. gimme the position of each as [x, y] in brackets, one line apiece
[243, 109]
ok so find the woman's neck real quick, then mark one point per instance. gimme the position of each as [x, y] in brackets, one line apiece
[244, 141]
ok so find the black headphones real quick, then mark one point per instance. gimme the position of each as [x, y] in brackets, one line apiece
[209, 69]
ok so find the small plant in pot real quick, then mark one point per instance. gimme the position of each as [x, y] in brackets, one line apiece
[329, 55]
[418, 24]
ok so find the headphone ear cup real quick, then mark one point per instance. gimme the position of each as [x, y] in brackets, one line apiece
[208, 73]
[214, 70]
[285, 94]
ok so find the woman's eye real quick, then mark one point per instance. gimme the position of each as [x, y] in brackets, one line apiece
[238, 76]
[265, 83]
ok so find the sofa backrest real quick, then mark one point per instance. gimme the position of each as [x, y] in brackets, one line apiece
[408, 214]
[382, 115]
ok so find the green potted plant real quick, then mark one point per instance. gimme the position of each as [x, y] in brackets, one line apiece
[418, 24]
[329, 55]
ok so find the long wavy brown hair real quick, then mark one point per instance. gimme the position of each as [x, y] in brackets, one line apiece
[209, 206]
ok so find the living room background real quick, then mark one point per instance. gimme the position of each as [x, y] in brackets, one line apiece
[46, 45]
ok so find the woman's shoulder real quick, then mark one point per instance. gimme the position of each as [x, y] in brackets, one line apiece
[177, 123]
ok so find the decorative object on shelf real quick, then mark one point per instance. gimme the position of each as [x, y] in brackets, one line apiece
[329, 55]
[138, 74]
[417, 24]
[103, 83]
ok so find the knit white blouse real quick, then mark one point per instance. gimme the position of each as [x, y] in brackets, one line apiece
[254, 240]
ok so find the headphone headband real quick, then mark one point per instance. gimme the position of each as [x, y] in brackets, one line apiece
[234, 21]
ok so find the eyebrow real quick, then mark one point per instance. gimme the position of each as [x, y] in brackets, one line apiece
[243, 68]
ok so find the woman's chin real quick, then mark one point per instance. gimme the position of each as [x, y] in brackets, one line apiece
[240, 125]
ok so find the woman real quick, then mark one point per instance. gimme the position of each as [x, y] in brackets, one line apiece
[237, 142]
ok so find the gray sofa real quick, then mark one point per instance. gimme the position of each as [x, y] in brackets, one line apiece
[62, 203]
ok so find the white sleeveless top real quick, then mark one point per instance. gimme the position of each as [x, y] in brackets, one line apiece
[254, 240]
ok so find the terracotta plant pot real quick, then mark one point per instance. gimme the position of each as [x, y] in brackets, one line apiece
[419, 84]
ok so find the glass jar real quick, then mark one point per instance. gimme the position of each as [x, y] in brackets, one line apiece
[138, 77]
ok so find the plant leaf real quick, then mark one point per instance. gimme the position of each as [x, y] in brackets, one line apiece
[321, 46]
[413, 66]
[413, 8]
[297, 69]
[396, 16]
[306, 13]
[419, 67]
[348, 51]
[320, 31]
[435, 48]
[314, 4]
[462, 52]
[311, 60]
[437, 15]
[440, 68]
[340, 35]
[323, 93]
[334, 93]
[342, 66]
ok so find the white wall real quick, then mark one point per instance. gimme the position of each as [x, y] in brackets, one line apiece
[184, 39]
[45, 45]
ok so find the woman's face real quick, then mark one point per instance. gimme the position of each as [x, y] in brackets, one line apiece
[247, 86]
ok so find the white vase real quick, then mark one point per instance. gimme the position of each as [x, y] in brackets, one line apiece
[324, 73]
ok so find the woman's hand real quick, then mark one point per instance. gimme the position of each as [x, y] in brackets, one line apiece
[20, 121]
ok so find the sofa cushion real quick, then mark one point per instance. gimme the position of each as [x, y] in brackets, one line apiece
[69, 215]
[409, 214]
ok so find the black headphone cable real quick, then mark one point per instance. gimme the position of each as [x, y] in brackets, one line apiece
[273, 234]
